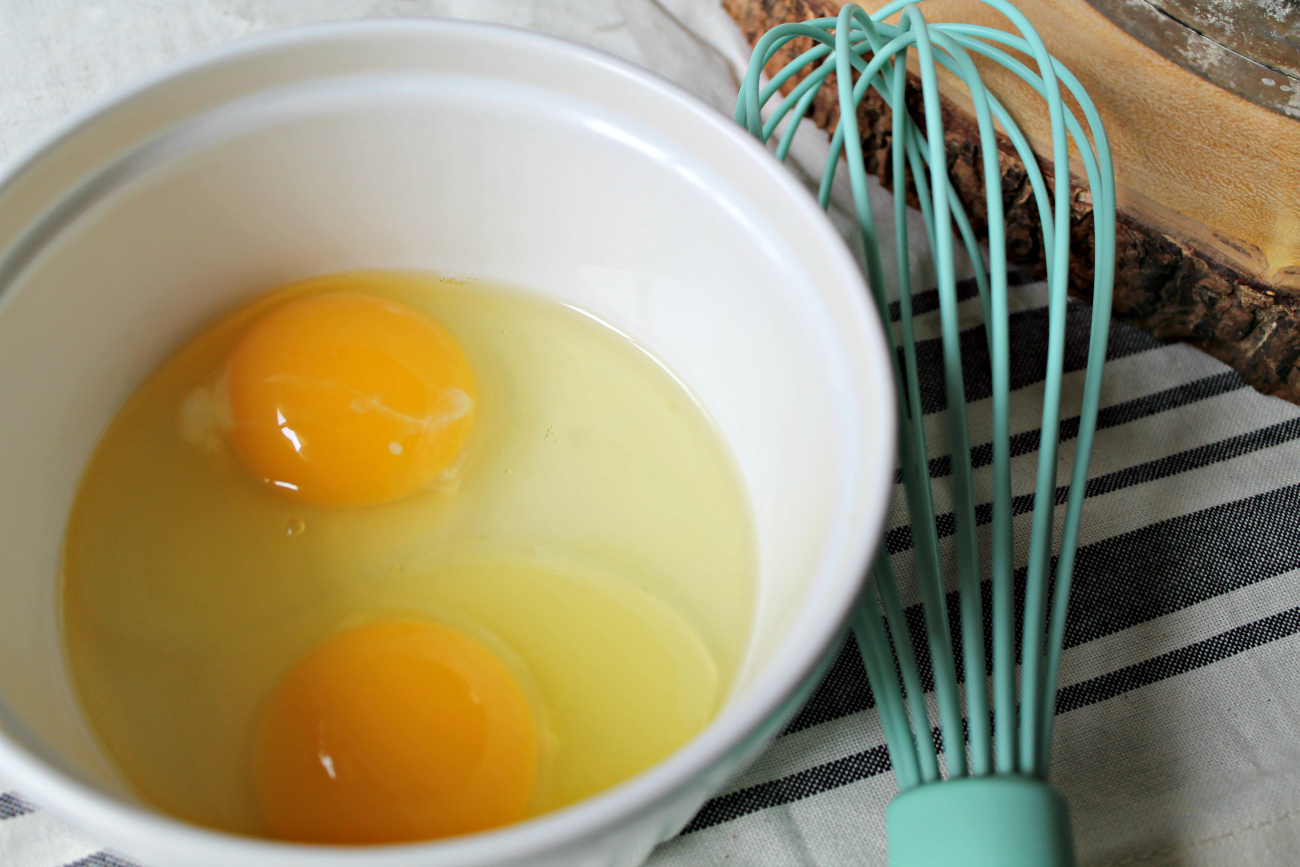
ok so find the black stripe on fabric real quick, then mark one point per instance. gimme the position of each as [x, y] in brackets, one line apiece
[100, 859]
[1026, 442]
[12, 804]
[1180, 661]
[928, 301]
[795, 787]
[1161, 401]
[1119, 582]
[1027, 331]
[1162, 568]
[899, 539]
[875, 761]
[1192, 459]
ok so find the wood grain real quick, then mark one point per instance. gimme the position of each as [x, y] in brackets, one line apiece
[1209, 184]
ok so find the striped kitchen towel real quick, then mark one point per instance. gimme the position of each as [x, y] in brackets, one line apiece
[1179, 708]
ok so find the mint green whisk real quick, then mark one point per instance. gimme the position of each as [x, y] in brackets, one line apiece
[990, 803]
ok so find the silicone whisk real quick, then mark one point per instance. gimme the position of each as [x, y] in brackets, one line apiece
[974, 790]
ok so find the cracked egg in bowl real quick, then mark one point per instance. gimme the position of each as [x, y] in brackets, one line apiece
[426, 443]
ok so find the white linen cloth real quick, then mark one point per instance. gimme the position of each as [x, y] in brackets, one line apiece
[1178, 740]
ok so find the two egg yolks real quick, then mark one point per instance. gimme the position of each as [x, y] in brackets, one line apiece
[344, 399]
[398, 730]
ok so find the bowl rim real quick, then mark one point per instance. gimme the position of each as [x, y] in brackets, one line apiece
[845, 555]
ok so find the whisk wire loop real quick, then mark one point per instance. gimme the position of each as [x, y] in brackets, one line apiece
[907, 761]
[913, 448]
[896, 619]
[1096, 167]
[1009, 738]
[993, 301]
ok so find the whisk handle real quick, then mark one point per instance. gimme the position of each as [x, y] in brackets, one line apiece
[998, 821]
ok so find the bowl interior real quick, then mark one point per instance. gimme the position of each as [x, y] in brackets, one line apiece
[547, 167]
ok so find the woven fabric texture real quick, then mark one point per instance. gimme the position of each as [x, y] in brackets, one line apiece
[1178, 732]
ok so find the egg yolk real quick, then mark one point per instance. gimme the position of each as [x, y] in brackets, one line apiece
[396, 731]
[344, 399]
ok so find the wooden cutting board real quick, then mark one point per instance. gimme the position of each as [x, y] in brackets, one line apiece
[1209, 183]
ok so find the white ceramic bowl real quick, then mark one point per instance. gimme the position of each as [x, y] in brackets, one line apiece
[460, 148]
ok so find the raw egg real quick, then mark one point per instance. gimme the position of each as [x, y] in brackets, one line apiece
[344, 399]
[393, 731]
[386, 556]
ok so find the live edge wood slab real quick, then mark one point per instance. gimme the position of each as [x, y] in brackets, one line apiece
[1208, 183]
